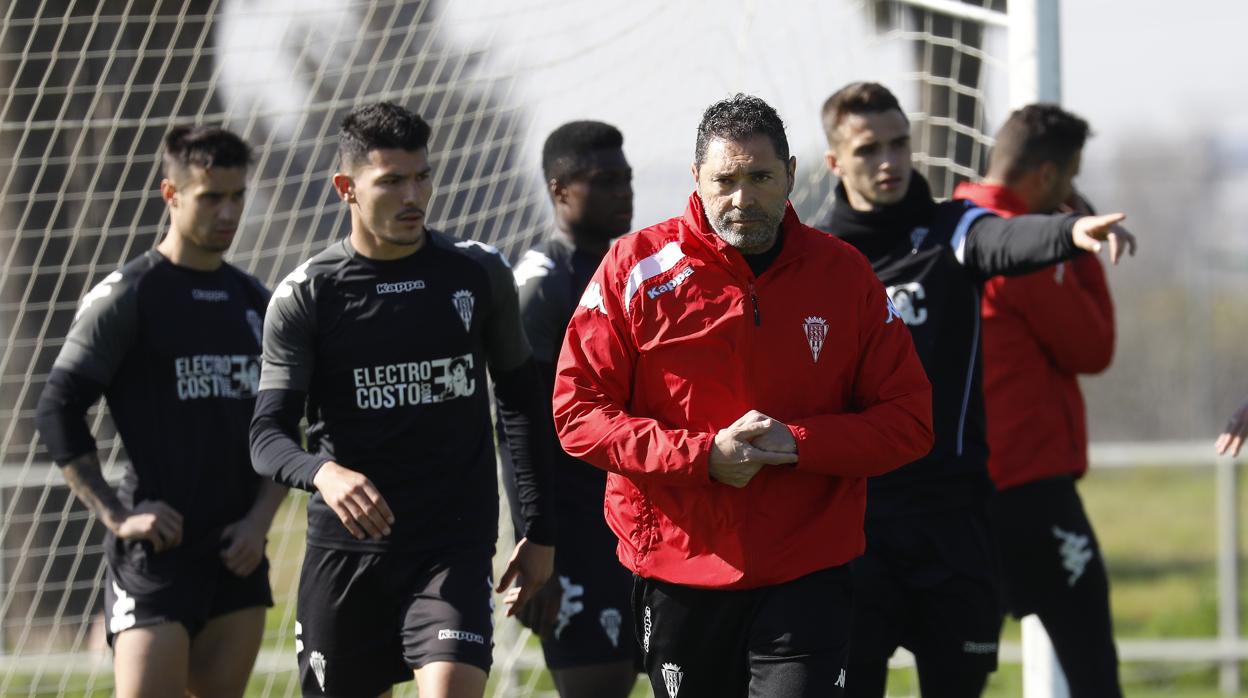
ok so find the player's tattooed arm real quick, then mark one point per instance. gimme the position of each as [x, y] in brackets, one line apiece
[156, 522]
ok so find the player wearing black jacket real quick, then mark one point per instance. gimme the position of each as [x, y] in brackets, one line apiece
[172, 342]
[582, 613]
[926, 580]
[383, 341]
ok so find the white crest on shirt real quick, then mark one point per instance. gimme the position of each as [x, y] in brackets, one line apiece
[464, 301]
[816, 331]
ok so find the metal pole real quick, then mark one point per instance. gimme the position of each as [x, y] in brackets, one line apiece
[1036, 76]
[1042, 672]
[1035, 52]
[1228, 574]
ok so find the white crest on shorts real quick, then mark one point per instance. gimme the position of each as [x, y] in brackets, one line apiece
[609, 619]
[671, 679]
[840, 680]
[464, 301]
[317, 661]
[645, 631]
[123, 611]
[298, 637]
[816, 329]
[570, 603]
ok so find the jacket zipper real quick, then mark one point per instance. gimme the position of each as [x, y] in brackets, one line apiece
[758, 318]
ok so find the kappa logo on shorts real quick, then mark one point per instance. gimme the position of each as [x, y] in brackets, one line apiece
[1075, 553]
[462, 635]
[610, 619]
[298, 637]
[570, 603]
[972, 647]
[672, 676]
[123, 611]
[645, 631]
[840, 680]
[317, 661]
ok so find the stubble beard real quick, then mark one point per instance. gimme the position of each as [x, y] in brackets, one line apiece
[754, 238]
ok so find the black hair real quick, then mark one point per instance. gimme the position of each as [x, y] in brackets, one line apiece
[568, 147]
[203, 146]
[1034, 135]
[380, 126]
[736, 119]
[856, 98]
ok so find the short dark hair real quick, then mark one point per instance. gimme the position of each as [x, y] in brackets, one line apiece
[856, 98]
[1034, 135]
[380, 126]
[203, 146]
[567, 148]
[736, 119]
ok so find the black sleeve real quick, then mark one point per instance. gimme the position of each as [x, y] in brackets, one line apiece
[992, 246]
[275, 449]
[61, 414]
[524, 409]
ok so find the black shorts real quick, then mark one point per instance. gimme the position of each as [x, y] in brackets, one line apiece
[927, 583]
[144, 588]
[594, 625]
[366, 620]
[781, 641]
[1051, 566]
[1044, 543]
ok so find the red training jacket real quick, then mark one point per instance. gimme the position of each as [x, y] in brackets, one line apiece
[1040, 331]
[675, 339]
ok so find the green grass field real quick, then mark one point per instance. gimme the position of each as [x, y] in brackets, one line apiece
[1156, 527]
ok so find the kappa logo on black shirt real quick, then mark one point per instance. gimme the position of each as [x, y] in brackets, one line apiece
[400, 286]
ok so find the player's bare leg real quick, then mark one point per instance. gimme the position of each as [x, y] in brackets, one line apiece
[450, 680]
[607, 680]
[151, 662]
[224, 653]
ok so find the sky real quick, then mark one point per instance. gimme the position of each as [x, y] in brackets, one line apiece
[1130, 66]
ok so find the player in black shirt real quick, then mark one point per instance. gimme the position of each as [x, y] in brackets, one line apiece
[926, 581]
[172, 341]
[383, 341]
[581, 614]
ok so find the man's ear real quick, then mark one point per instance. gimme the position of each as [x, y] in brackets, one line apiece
[167, 191]
[555, 190]
[693, 168]
[829, 159]
[345, 186]
[1048, 174]
[792, 170]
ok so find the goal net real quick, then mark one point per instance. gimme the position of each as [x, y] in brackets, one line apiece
[88, 89]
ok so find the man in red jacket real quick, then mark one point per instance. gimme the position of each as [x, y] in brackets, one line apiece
[739, 375]
[1040, 332]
